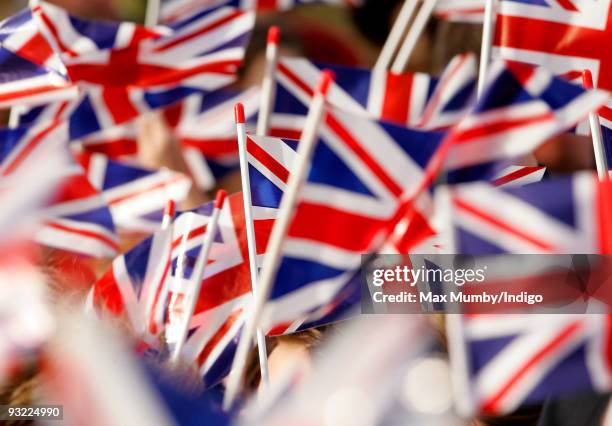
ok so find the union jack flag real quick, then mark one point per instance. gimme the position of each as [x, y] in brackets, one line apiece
[148, 70]
[565, 36]
[24, 83]
[360, 170]
[207, 133]
[20, 34]
[174, 10]
[136, 287]
[224, 295]
[561, 215]
[405, 99]
[135, 196]
[502, 362]
[202, 124]
[270, 163]
[77, 218]
[521, 108]
[519, 99]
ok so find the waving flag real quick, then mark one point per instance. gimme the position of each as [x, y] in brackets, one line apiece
[565, 36]
[562, 215]
[128, 71]
[126, 289]
[397, 98]
[136, 196]
[502, 362]
[270, 163]
[24, 83]
[135, 287]
[521, 108]
[416, 100]
[77, 218]
[225, 293]
[207, 133]
[360, 170]
[20, 34]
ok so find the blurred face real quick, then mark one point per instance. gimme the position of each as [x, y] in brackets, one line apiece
[287, 358]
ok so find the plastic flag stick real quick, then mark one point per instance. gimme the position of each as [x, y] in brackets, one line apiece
[279, 230]
[268, 85]
[198, 274]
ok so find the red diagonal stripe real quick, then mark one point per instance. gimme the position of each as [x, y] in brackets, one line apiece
[295, 79]
[28, 148]
[517, 174]
[491, 405]
[267, 160]
[84, 233]
[496, 222]
[499, 126]
[363, 155]
[210, 27]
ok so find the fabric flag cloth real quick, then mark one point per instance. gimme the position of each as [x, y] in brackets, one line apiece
[561, 215]
[270, 163]
[136, 196]
[126, 70]
[219, 314]
[360, 170]
[502, 362]
[136, 285]
[566, 37]
[521, 108]
[127, 289]
[25, 83]
[402, 99]
[518, 99]
[19, 33]
[519, 176]
[201, 122]
[174, 10]
[206, 132]
[100, 382]
[77, 217]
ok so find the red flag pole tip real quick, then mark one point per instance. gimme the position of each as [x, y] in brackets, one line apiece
[587, 79]
[273, 35]
[327, 77]
[170, 208]
[220, 200]
[239, 113]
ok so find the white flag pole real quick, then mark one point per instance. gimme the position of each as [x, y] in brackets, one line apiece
[198, 274]
[250, 231]
[152, 13]
[416, 29]
[14, 116]
[268, 85]
[156, 315]
[487, 43]
[599, 149]
[273, 252]
[395, 36]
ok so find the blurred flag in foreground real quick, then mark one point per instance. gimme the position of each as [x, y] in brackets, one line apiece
[135, 196]
[561, 215]
[503, 362]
